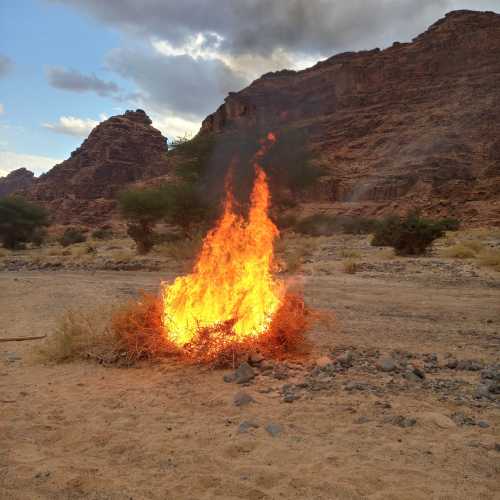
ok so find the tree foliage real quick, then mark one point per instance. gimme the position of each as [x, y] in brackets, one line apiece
[20, 222]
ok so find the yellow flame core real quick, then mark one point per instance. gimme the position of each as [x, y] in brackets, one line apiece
[232, 280]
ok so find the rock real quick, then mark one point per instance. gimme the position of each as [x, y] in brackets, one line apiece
[494, 387]
[229, 378]
[255, 358]
[247, 425]
[469, 365]
[274, 429]
[411, 377]
[16, 180]
[441, 421]
[323, 362]
[452, 363]
[290, 397]
[355, 386]
[441, 180]
[362, 420]
[482, 391]
[386, 364]
[280, 372]
[242, 398]
[418, 372]
[402, 421]
[345, 359]
[497, 447]
[244, 373]
[460, 418]
[483, 424]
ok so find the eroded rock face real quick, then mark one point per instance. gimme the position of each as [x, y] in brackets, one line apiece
[16, 180]
[120, 151]
[414, 125]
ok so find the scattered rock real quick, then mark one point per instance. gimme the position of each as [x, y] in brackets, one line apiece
[401, 421]
[244, 373]
[229, 378]
[274, 429]
[469, 365]
[345, 359]
[255, 358]
[246, 425]
[386, 364]
[461, 418]
[242, 398]
[323, 362]
[418, 372]
[483, 424]
[452, 363]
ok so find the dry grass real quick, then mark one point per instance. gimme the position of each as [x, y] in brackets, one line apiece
[490, 258]
[185, 249]
[350, 266]
[293, 251]
[79, 335]
[466, 249]
[349, 254]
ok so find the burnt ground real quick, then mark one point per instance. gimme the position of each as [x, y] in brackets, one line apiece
[397, 399]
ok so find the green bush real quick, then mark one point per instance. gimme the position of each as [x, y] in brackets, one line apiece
[193, 155]
[449, 224]
[409, 236]
[71, 236]
[21, 222]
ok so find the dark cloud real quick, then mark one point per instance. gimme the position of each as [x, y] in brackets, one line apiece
[75, 81]
[261, 26]
[180, 84]
[6, 65]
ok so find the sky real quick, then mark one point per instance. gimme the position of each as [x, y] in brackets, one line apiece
[66, 65]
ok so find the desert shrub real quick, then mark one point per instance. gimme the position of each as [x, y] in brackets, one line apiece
[409, 236]
[71, 236]
[350, 266]
[102, 233]
[20, 222]
[490, 258]
[449, 224]
[459, 251]
[358, 225]
[318, 225]
[79, 335]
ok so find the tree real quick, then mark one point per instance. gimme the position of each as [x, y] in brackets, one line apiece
[143, 209]
[20, 221]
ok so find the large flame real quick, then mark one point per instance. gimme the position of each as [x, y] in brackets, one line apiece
[231, 283]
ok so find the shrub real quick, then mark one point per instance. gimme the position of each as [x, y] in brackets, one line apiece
[449, 224]
[358, 225]
[459, 251]
[102, 233]
[71, 236]
[20, 222]
[350, 266]
[409, 236]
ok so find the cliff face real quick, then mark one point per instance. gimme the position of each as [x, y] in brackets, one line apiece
[120, 151]
[414, 125]
[16, 180]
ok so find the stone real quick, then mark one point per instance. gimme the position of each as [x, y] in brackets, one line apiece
[246, 426]
[244, 373]
[323, 362]
[483, 424]
[469, 365]
[345, 359]
[482, 391]
[255, 358]
[452, 363]
[290, 397]
[229, 378]
[274, 429]
[418, 372]
[497, 447]
[386, 364]
[403, 422]
[242, 398]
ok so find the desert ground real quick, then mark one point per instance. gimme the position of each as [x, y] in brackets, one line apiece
[399, 408]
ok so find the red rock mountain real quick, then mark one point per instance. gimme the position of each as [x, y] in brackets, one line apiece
[16, 180]
[414, 125]
[121, 150]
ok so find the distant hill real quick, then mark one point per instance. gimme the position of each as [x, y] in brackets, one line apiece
[15, 181]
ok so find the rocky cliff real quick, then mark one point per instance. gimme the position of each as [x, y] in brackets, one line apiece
[414, 125]
[15, 181]
[120, 151]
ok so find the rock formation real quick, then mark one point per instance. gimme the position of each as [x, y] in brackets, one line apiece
[16, 180]
[414, 125]
[120, 151]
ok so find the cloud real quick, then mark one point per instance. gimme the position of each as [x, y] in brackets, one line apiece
[190, 87]
[71, 125]
[74, 81]
[6, 65]
[38, 164]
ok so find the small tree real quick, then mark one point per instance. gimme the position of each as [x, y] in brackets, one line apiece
[143, 209]
[20, 222]
[409, 236]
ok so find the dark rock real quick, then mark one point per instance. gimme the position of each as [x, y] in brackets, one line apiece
[469, 365]
[242, 398]
[460, 418]
[483, 424]
[452, 364]
[482, 391]
[274, 429]
[290, 397]
[229, 378]
[244, 373]
[247, 425]
[401, 421]
[386, 364]
[418, 372]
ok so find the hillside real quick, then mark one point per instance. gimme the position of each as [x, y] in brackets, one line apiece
[415, 125]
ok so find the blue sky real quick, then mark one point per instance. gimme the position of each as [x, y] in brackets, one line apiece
[65, 65]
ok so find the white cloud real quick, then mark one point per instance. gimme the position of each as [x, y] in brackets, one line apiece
[71, 125]
[38, 164]
[172, 126]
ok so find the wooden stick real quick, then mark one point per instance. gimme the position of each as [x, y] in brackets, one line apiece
[22, 339]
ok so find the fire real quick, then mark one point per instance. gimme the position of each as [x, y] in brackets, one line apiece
[231, 292]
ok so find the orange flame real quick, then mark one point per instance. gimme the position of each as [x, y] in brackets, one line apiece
[231, 283]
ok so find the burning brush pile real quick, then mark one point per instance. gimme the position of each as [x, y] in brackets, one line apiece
[230, 304]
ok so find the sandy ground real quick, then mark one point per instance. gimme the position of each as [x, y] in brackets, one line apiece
[166, 431]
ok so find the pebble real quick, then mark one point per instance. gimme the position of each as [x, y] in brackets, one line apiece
[274, 429]
[242, 398]
[244, 373]
[386, 364]
[246, 425]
